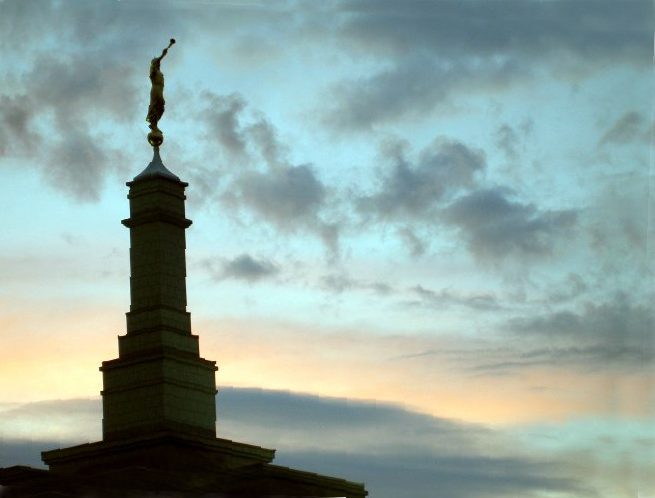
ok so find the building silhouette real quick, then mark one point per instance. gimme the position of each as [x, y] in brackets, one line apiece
[158, 397]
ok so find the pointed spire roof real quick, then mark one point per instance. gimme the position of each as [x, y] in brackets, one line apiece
[155, 169]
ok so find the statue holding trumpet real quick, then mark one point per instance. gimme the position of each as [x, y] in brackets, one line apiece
[156, 108]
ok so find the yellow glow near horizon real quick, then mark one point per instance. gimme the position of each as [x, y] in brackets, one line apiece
[64, 364]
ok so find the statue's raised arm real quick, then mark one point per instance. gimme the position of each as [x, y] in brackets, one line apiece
[165, 51]
[156, 108]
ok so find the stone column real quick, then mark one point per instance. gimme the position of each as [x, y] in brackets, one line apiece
[158, 382]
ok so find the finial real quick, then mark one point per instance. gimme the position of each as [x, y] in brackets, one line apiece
[156, 168]
[156, 108]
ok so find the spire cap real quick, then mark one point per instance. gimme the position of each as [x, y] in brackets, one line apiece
[156, 169]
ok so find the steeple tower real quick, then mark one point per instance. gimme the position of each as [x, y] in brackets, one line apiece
[159, 416]
[159, 382]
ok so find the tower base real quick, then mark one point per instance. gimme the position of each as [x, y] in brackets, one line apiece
[177, 466]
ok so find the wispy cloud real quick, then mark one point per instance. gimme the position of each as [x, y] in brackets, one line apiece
[616, 332]
[445, 297]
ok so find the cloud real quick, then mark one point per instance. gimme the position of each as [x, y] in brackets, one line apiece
[444, 297]
[615, 334]
[619, 326]
[412, 87]
[222, 115]
[570, 288]
[599, 28]
[619, 224]
[496, 227]
[628, 128]
[55, 420]
[416, 245]
[17, 134]
[77, 165]
[417, 295]
[443, 186]
[561, 341]
[79, 96]
[245, 267]
[507, 140]
[424, 475]
[83, 86]
[84, 76]
[264, 136]
[411, 191]
[596, 357]
[429, 53]
[340, 282]
[288, 197]
[393, 450]
[16, 451]
[244, 133]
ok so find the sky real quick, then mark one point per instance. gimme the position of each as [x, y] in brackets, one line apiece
[421, 249]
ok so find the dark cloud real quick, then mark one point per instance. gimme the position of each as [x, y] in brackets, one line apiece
[288, 197]
[615, 321]
[264, 137]
[80, 73]
[305, 412]
[133, 30]
[442, 187]
[245, 267]
[413, 87]
[433, 51]
[82, 95]
[23, 452]
[17, 134]
[411, 191]
[593, 29]
[222, 114]
[495, 226]
[613, 336]
[244, 133]
[78, 163]
[393, 475]
[83, 88]
[616, 332]
[628, 128]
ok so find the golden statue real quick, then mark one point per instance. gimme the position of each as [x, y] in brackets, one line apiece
[156, 108]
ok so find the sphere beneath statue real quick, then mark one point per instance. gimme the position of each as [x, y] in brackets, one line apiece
[155, 138]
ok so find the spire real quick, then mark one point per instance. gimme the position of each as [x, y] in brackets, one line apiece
[159, 415]
[159, 382]
[156, 168]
